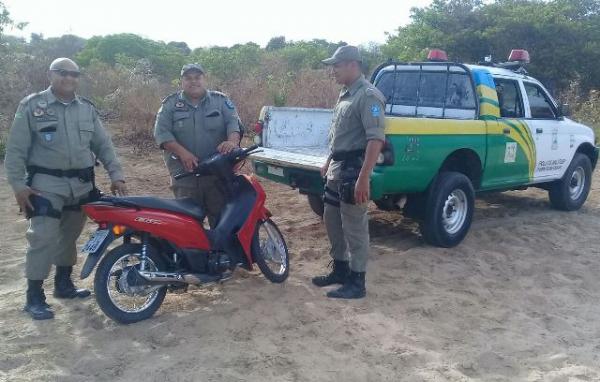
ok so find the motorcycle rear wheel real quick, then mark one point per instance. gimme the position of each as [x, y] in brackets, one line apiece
[122, 305]
[270, 251]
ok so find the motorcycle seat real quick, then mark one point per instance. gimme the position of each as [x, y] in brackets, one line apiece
[185, 206]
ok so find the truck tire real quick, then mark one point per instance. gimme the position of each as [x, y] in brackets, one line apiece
[569, 193]
[449, 210]
[316, 204]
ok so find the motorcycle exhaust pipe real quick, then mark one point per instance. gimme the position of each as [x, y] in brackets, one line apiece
[186, 278]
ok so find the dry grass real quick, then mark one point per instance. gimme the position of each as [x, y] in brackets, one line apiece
[588, 112]
[130, 98]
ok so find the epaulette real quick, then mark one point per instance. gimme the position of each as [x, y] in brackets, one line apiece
[87, 100]
[170, 96]
[373, 91]
[30, 97]
[217, 93]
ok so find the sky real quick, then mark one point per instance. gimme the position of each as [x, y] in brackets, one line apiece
[215, 23]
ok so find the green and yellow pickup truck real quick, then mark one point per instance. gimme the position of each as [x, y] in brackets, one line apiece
[452, 130]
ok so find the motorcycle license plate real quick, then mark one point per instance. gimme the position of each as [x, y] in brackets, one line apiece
[95, 241]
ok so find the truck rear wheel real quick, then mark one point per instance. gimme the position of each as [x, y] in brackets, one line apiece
[316, 204]
[569, 193]
[449, 210]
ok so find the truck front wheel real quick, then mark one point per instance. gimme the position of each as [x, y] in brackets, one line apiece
[569, 193]
[449, 210]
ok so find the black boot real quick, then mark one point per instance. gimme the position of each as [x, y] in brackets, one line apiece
[64, 287]
[338, 275]
[36, 301]
[353, 288]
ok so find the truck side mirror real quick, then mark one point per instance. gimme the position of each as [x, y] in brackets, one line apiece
[564, 110]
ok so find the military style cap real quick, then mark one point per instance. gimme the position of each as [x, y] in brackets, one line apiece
[65, 64]
[344, 53]
[195, 66]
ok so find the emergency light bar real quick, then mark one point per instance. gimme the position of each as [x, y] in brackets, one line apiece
[519, 55]
[437, 55]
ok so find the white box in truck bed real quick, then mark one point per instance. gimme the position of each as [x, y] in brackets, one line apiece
[294, 137]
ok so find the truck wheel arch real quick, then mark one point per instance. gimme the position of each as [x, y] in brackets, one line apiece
[464, 161]
[589, 150]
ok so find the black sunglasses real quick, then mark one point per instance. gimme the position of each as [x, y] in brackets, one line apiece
[64, 73]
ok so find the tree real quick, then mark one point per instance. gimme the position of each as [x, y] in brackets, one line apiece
[226, 63]
[63, 46]
[557, 34]
[180, 46]
[127, 49]
[276, 43]
[7, 21]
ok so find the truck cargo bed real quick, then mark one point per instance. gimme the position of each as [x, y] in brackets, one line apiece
[308, 158]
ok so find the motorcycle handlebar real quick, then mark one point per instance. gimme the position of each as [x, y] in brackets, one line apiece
[234, 156]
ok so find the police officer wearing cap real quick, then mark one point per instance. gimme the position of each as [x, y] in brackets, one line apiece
[356, 139]
[53, 143]
[191, 125]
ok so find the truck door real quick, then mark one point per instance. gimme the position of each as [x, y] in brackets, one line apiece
[549, 132]
[510, 152]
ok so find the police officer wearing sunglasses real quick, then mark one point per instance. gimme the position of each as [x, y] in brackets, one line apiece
[52, 145]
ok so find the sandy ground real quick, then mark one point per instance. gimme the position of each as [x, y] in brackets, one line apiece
[519, 300]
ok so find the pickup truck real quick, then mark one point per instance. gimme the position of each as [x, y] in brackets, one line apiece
[452, 130]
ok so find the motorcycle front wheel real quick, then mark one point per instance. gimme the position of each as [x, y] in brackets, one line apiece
[270, 251]
[118, 299]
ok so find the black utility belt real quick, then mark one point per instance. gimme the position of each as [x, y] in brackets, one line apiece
[348, 155]
[84, 174]
[43, 206]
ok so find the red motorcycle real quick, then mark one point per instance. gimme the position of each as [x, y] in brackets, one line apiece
[165, 246]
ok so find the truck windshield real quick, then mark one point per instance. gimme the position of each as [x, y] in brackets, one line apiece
[427, 91]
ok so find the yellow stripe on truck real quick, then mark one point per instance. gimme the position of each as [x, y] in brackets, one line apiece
[432, 126]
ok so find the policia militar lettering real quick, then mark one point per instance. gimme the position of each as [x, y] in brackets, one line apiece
[52, 147]
[191, 125]
[356, 139]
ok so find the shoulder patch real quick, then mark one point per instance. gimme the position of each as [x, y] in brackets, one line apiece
[375, 110]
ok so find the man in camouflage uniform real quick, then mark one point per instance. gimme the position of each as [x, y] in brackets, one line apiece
[191, 125]
[52, 145]
[356, 139]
